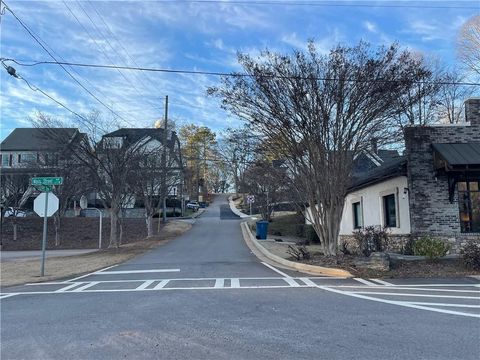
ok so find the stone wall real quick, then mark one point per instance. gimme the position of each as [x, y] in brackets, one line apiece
[430, 209]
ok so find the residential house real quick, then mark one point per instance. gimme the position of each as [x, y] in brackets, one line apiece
[433, 189]
[29, 152]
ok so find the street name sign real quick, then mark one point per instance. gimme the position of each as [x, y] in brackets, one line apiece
[47, 181]
[39, 204]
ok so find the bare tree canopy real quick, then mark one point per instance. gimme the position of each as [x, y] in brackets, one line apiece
[469, 44]
[319, 111]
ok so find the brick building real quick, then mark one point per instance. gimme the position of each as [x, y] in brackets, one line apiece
[443, 171]
[434, 188]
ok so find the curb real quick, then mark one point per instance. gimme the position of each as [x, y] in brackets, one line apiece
[235, 210]
[320, 270]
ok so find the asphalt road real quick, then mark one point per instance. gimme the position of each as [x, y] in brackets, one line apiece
[205, 296]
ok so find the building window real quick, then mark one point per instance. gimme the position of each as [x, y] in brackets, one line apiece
[469, 205]
[28, 158]
[357, 215]
[389, 211]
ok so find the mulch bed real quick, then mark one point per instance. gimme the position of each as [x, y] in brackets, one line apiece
[398, 269]
[75, 233]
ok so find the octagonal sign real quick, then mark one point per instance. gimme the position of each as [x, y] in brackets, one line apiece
[39, 204]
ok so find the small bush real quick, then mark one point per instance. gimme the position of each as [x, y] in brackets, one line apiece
[407, 247]
[471, 255]
[371, 239]
[300, 230]
[311, 235]
[298, 252]
[430, 247]
[344, 248]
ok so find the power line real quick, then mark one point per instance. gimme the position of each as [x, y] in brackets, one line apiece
[36, 88]
[36, 38]
[216, 73]
[322, 4]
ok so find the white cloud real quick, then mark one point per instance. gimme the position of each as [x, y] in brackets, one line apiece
[370, 26]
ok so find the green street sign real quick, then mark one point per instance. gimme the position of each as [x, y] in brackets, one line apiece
[47, 181]
[44, 188]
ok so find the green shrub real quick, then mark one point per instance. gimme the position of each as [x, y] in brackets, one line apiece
[471, 255]
[311, 234]
[430, 247]
[371, 239]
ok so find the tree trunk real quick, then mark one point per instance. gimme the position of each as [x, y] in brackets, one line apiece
[14, 224]
[149, 221]
[113, 227]
[56, 223]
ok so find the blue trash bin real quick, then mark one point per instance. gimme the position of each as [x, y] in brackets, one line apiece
[262, 229]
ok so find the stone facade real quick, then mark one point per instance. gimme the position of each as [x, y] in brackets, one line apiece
[431, 211]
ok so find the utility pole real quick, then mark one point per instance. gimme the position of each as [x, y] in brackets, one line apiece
[164, 161]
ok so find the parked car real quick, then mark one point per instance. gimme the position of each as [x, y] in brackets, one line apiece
[193, 205]
[11, 212]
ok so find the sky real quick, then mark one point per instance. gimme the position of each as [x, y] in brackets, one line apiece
[187, 35]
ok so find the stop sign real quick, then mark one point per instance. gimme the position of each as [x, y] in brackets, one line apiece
[39, 204]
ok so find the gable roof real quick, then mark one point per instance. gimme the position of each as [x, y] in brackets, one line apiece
[135, 134]
[393, 168]
[35, 139]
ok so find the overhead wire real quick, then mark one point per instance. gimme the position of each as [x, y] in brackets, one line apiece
[36, 88]
[60, 63]
[233, 74]
[413, 4]
[119, 42]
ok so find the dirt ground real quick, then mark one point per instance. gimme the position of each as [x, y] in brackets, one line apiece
[27, 271]
[75, 233]
[398, 269]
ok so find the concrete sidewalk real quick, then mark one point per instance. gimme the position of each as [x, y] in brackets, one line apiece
[6, 256]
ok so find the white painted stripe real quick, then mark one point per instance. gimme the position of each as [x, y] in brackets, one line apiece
[443, 304]
[366, 282]
[276, 270]
[291, 282]
[135, 271]
[386, 283]
[234, 283]
[65, 288]
[81, 277]
[49, 283]
[414, 295]
[161, 284]
[4, 296]
[400, 303]
[219, 283]
[86, 286]
[308, 282]
[394, 288]
[145, 284]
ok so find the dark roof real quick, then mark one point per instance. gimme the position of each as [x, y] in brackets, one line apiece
[459, 154]
[135, 134]
[394, 167]
[37, 139]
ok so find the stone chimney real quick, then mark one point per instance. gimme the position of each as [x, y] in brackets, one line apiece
[472, 111]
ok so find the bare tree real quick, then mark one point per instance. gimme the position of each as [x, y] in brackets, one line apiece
[238, 150]
[268, 184]
[452, 96]
[320, 111]
[468, 44]
[14, 192]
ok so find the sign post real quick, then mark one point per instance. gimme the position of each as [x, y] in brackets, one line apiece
[250, 201]
[42, 207]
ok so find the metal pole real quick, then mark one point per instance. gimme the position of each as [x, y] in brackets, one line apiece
[44, 240]
[100, 230]
[164, 162]
[250, 209]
